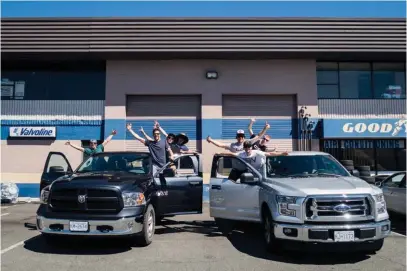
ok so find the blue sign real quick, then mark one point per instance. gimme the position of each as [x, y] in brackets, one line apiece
[364, 144]
[365, 128]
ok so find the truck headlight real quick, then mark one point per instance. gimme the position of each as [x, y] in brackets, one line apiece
[283, 203]
[133, 199]
[44, 195]
[380, 203]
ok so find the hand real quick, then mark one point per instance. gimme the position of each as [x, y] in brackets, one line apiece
[252, 120]
[267, 125]
[156, 124]
[284, 153]
[141, 129]
[68, 143]
[114, 132]
[128, 126]
[209, 139]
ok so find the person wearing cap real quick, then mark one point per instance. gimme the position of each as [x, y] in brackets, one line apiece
[255, 158]
[260, 144]
[240, 138]
[93, 146]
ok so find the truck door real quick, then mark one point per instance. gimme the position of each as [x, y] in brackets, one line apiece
[229, 197]
[394, 192]
[180, 186]
[55, 166]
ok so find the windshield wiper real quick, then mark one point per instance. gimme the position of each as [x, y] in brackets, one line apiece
[326, 174]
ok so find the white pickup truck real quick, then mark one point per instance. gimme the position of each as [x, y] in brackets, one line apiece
[306, 197]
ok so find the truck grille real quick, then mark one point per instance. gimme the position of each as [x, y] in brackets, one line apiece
[85, 200]
[338, 208]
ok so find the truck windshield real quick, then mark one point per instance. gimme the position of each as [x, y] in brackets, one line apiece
[133, 163]
[304, 165]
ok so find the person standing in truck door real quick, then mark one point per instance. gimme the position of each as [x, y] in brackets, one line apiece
[93, 146]
[157, 148]
[240, 138]
[260, 144]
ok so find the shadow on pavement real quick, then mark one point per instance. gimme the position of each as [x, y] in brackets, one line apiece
[86, 246]
[398, 223]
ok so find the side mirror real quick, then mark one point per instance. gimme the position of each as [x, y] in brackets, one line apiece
[378, 184]
[168, 172]
[57, 170]
[247, 178]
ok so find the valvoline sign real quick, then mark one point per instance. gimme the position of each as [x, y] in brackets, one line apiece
[373, 128]
[32, 132]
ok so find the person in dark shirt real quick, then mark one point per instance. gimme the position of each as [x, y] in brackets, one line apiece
[261, 143]
[158, 147]
[93, 146]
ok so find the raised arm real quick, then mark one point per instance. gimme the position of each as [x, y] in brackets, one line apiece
[262, 133]
[139, 138]
[107, 140]
[276, 153]
[250, 128]
[74, 146]
[145, 134]
[157, 125]
[217, 143]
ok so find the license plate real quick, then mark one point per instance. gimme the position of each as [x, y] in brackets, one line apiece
[344, 236]
[78, 226]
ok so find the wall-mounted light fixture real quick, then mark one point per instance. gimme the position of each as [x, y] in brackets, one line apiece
[211, 75]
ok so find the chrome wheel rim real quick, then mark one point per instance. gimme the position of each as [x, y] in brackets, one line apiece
[150, 224]
[267, 230]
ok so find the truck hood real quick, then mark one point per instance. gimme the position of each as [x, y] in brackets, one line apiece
[305, 186]
[121, 180]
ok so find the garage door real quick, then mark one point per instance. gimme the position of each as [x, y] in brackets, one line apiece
[176, 114]
[279, 111]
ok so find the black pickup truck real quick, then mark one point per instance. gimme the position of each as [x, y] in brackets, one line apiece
[116, 194]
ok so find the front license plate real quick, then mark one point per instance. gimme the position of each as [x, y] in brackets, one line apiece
[78, 226]
[344, 236]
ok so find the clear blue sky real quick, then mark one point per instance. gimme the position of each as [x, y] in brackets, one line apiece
[203, 9]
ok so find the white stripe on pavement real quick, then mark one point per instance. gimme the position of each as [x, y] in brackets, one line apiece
[5, 214]
[398, 234]
[12, 247]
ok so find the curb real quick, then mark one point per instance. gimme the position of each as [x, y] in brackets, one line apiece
[28, 200]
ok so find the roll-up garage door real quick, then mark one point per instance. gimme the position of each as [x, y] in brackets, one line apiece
[176, 114]
[278, 110]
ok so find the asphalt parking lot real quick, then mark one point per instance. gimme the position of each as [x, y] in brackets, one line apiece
[181, 243]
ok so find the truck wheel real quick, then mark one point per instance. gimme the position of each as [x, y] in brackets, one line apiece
[146, 236]
[272, 244]
[224, 225]
[374, 247]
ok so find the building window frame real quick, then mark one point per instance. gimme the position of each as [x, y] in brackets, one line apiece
[372, 82]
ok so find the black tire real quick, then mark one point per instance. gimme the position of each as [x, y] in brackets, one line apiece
[349, 168]
[347, 163]
[225, 226]
[146, 236]
[363, 168]
[374, 247]
[272, 244]
[364, 174]
[370, 180]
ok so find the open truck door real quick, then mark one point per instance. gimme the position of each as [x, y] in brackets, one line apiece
[56, 165]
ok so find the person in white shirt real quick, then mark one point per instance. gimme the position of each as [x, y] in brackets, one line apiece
[255, 158]
[240, 138]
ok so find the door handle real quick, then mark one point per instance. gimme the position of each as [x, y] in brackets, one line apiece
[194, 183]
[216, 187]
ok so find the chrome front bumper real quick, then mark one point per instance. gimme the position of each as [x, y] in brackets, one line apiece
[120, 227]
[324, 233]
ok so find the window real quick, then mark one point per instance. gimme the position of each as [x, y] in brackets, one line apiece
[395, 181]
[231, 168]
[364, 80]
[185, 166]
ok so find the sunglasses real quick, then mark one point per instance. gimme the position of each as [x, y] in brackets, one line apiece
[156, 133]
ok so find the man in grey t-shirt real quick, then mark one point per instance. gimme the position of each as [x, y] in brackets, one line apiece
[157, 148]
[240, 138]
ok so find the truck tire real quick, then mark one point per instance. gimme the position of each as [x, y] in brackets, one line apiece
[346, 163]
[225, 226]
[349, 168]
[146, 236]
[272, 244]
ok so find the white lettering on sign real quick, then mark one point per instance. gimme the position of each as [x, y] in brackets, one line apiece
[32, 132]
[382, 128]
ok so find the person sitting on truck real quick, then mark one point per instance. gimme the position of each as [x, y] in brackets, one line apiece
[240, 138]
[260, 144]
[157, 148]
[255, 158]
[93, 146]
